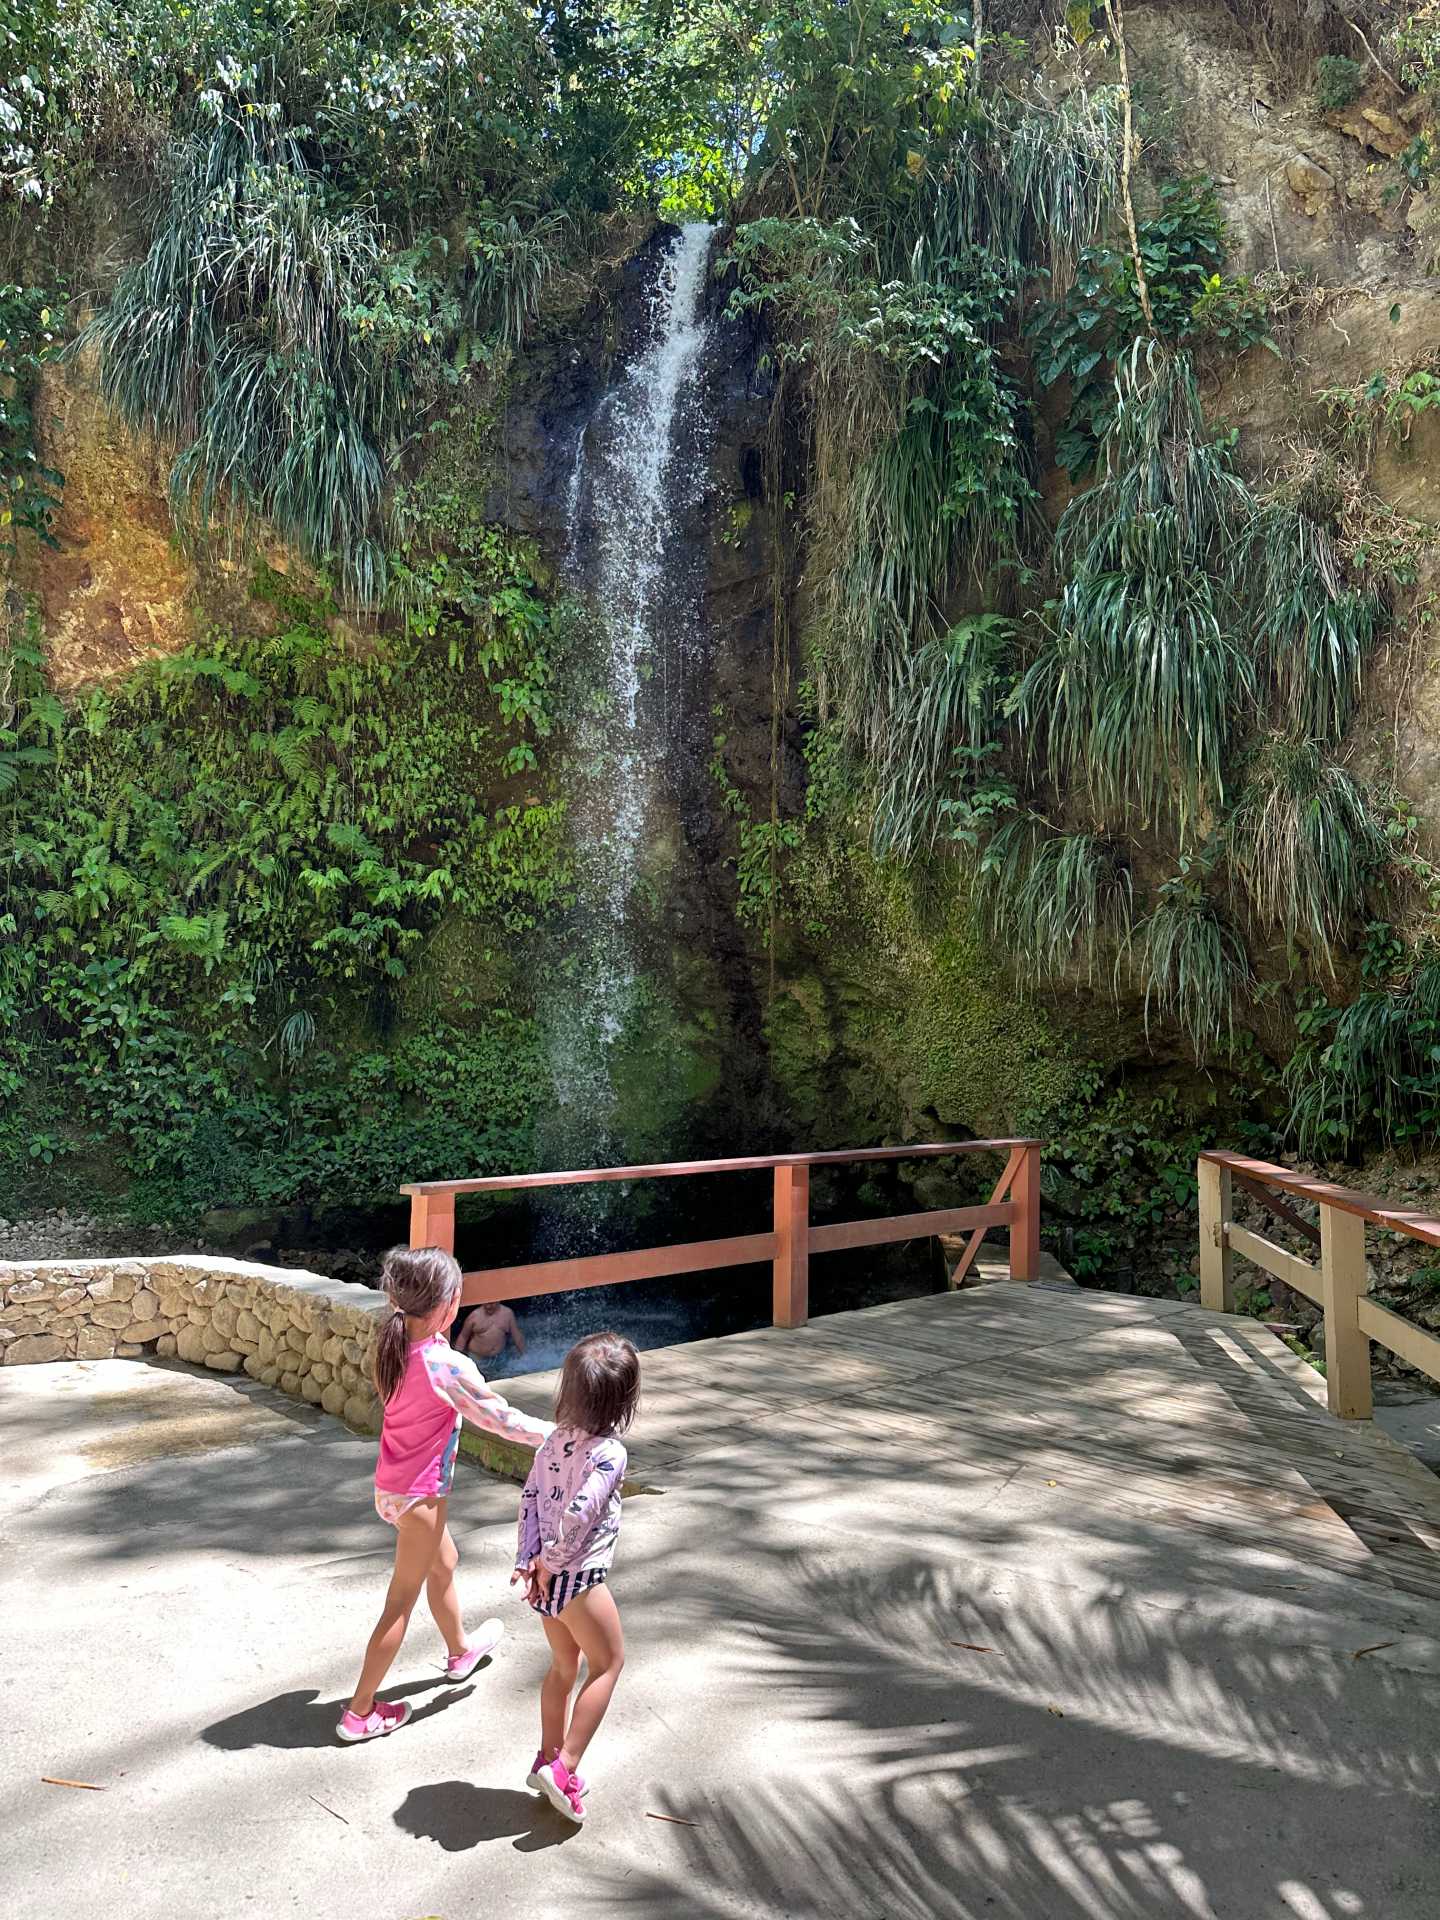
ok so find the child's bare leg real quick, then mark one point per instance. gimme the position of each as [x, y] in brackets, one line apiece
[556, 1686]
[442, 1595]
[416, 1538]
[593, 1619]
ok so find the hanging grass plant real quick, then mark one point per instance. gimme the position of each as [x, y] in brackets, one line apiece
[1193, 963]
[237, 339]
[1315, 631]
[1304, 844]
[1056, 902]
[1147, 679]
[1032, 182]
[943, 496]
[946, 701]
[272, 339]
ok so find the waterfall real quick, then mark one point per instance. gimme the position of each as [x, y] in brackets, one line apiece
[640, 466]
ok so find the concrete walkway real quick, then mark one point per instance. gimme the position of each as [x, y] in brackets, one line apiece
[1010, 1605]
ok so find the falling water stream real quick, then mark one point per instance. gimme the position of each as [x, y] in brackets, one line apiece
[640, 465]
[635, 555]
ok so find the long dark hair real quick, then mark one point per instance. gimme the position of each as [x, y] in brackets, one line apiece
[599, 1388]
[416, 1281]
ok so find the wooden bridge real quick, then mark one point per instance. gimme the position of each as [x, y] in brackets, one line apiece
[1035, 1601]
[1188, 1413]
[1337, 1284]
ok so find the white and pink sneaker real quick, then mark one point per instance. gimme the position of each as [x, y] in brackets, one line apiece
[532, 1779]
[460, 1666]
[562, 1789]
[384, 1717]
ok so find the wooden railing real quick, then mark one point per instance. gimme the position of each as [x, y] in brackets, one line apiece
[1014, 1204]
[1336, 1284]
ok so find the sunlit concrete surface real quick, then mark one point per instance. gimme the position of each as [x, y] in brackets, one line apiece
[1021, 1604]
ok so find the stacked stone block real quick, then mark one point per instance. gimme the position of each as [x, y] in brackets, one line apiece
[310, 1337]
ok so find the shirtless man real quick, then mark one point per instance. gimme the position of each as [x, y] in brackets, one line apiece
[484, 1334]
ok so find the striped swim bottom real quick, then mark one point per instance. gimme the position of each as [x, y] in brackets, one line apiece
[563, 1588]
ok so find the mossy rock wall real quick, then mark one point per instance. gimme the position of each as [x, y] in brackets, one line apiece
[885, 1027]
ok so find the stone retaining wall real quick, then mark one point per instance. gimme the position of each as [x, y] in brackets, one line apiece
[308, 1336]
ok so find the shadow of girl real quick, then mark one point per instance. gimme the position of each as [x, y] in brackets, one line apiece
[458, 1815]
[305, 1719]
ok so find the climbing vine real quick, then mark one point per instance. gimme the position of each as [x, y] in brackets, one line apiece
[31, 326]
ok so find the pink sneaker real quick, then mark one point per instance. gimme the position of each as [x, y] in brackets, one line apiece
[532, 1779]
[384, 1717]
[460, 1666]
[562, 1789]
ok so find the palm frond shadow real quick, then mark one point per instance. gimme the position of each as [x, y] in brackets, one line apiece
[937, 1776]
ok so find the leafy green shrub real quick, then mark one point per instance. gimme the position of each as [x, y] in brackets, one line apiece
[30, 326]
[219, 876]
[1338, 79]
[1119, 1174]
[1371, 1068]
[1417, 43]
[1082, 338]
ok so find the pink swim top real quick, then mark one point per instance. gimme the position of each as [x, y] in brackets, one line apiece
[421, 1433]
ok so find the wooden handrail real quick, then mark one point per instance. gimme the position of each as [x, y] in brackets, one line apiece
[1014, 1204]
[753, 1163]
[1366, 1206]
[1337, 1283]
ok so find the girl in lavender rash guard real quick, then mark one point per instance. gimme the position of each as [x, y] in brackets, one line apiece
[426, 1389]
[569, 1523]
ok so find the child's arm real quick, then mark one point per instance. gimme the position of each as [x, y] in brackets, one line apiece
[458, 1380]
[527, 1541]
[589, 1501]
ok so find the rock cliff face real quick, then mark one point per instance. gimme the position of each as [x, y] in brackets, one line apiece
[1319, 207]
[873, 1014]
[116, 590]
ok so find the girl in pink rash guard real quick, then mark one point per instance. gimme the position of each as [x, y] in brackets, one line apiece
[426, 1389]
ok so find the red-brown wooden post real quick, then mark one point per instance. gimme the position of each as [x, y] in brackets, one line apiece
[792, 1246]
[432, 1220]
[1025, 1227]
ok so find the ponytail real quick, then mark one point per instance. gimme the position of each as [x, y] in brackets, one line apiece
[391, 1350]
[417, 1281]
